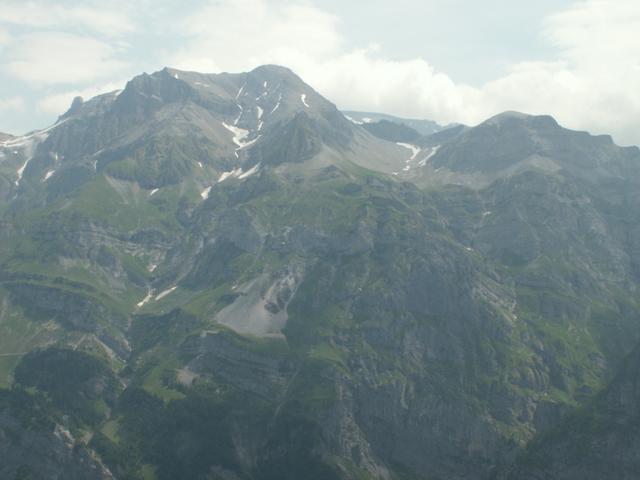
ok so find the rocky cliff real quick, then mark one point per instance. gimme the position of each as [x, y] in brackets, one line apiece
[259, 288]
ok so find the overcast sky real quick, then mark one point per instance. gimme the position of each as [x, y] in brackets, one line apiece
[446, 60]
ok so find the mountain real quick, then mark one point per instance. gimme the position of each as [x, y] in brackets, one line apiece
[423, 127]
[512, 143]
[598, 441]
[393, 132]
[167, 128]
[222, 277]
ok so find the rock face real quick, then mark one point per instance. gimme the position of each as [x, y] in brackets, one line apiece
[33, 447]
[512, 143]
[599, 441]
[258, 288]
[393, 132]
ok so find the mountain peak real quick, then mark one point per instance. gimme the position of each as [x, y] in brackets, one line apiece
[151, 131]
[514, 142]
[518, 118]
[5, 136]
[273, 69]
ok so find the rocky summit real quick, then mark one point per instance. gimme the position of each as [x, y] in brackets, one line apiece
[225, 277]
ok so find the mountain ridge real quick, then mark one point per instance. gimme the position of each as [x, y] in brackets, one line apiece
[301, 297]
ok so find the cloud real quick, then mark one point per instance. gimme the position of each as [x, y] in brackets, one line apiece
[4, 37]
[46, 58]
[596, 31]
[45, 15]
[592, 83]
[233, 35]
[11, 104]
[58, 103]
[238, 35]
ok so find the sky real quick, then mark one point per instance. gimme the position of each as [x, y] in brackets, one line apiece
[448, 61]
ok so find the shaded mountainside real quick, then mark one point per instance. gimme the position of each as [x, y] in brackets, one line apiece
[423, 127]
[392, 132]
[600, 440]
[221, 277]
[512, 143]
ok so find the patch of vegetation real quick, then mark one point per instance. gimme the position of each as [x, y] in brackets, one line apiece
[76, 383]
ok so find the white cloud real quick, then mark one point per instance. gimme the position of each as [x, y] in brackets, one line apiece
[593, 83]
[4, 37]
[45, 15]
[594, 31]
[46, 58]
[59, 103]
[11, 104]
[238, 34]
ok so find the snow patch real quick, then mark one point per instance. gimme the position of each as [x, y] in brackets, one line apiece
[251, 142]
[28, 144]
[152, 192]
[161, 295]
[239, 137]
[415, 150]
[353, 120]
[303, 98]
[239, 134]
[433, 151]
[48, 175]
[233, 173]
[145, 300]
[240, 91]
[237, 119]
[200, 164]
[176, 76]
[20, 171]
[265, 84]
[260, 112]
[238, 173]
[277, 104]
[367, 120]
[205, 193]
[152, 267]
[249, 172]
